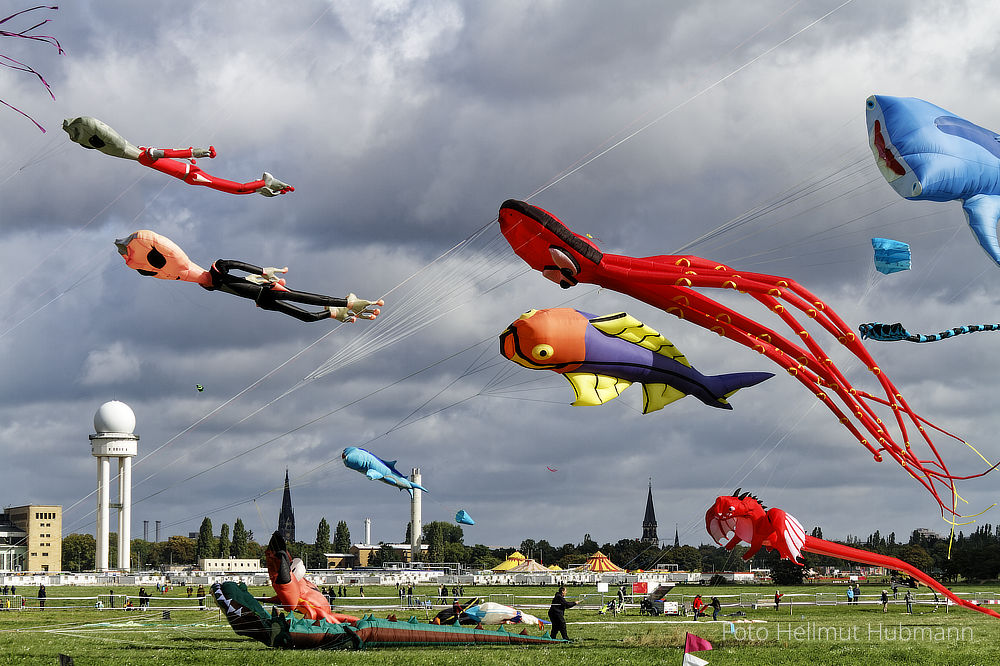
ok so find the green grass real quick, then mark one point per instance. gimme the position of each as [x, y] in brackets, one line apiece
[808, 634]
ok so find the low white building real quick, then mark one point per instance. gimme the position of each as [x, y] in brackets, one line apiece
[230, 565]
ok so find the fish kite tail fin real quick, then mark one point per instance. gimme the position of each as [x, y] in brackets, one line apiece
[412, 485]
[725, 385]
[982, 212]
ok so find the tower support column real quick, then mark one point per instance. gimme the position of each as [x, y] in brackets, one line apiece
[415, 516]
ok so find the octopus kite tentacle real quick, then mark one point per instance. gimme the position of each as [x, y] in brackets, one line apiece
[670, 283]
[741, 517]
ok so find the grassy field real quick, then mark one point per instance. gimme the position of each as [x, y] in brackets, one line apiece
[816, 634]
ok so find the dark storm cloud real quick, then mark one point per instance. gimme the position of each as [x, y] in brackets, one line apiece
[403, 127]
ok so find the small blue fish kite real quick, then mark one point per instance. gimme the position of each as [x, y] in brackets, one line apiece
[464, 518]
[896, 332]
[377, 469]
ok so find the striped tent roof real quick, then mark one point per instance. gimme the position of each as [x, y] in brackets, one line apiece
[528, 565]
[512, 561]
[601, 563]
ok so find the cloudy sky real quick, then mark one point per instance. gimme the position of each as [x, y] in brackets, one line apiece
[403, 126]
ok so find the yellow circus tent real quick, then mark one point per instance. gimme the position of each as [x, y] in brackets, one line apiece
[555, 567]
[528, 566]
[512, 561]
[600, 563]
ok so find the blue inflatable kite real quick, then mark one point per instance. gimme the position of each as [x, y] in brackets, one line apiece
[891, 256]
[929, 154]
[464, 518]
[377, 469]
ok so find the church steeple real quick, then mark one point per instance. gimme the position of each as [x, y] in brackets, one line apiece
[649, 519]
[286, 518]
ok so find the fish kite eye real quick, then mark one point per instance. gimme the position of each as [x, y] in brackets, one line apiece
[542, 352]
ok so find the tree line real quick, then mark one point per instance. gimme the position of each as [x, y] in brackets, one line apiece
[972, 557]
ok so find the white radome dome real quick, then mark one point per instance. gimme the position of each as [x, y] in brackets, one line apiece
[114, 416]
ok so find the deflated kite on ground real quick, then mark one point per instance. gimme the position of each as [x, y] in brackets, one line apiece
[670, 283]
[488, 613]
[603, 356]
[154, 255]
[248, 618]
[733, 519]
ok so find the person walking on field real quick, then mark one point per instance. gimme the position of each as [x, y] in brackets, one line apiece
[556, 613]
[885, 601]
[777, 599]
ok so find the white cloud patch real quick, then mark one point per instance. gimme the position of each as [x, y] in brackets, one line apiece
[110, 365]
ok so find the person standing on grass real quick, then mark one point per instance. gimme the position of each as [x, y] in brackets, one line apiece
[777, 599]
[696, 606]
[41, 596]
[909, 602]
[885, 601]
[557, 613]
[716, 607]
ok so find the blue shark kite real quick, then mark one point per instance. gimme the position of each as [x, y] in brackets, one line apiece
[377, 469]
[929, 154]
[896, 332]
[602, 356]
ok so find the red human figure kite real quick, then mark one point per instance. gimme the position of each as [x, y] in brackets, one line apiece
[670, 282]
[741, 518]
[92, 133]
